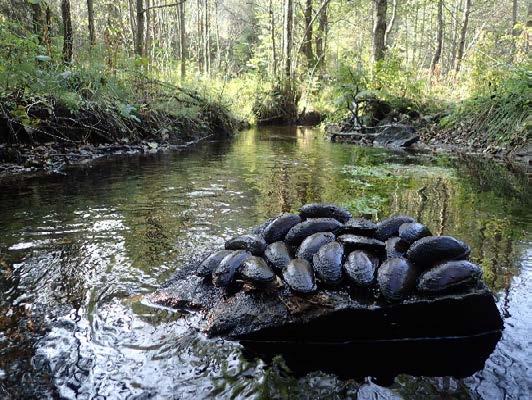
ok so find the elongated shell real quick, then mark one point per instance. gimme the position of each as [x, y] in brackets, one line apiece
[224, 274]
[360, 268]
[432, 250]
[412, 231]
[395, 247]
[252, 243]
[277, 255]
[390, 226]
[255, 269]
[299, 276]
[209, 264]
[354, 242]
[310, 226]
[357, 226]
[396, 278]
[327, 263]
[322, 210]
[312, 244]
[448, 276]
[280, 226]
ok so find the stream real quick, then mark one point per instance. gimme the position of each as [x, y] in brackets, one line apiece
[79, 252]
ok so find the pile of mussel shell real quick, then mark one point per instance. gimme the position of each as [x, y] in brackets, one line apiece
[325, 247]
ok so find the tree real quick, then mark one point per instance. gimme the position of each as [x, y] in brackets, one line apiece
[90, 16]
[182, 39]
[439, 39]
[321, 35]
[139, 40]
[463, 32]
[390, 24]
[67, 31]
[379, 30]
[307, 40]
[288, 38]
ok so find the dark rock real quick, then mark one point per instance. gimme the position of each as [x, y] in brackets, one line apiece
[396, 247]
[448, 276]
[312, 244]
[358, 226]
[327, 263]
[360, 268]
[318, 210]
[280, 226]
[412, 231]
[299, 276]
[390, 226]
[252, 243]
[396, 278]
[354, 242]
[396, 136]
[209, 264]
[224, 274]
[277, 255]
[312, 225]
[431, 250]
[255, 269]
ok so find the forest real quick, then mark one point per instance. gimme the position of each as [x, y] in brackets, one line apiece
[104, 71]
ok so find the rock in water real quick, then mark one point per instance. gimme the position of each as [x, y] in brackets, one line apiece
[224, 274]
[358, 226]
[310, 226]
[277, 255]
[255, 269]
[209, 264]
[317, 210]
[327, 263]
[412, 231]
[390, 227]
[431, 250]
[360, 268]
[299, 276]
[448, 276]
[396, 247]
[252, 243]
[280, 226]
[354, 242]
[312, 244]
[396, 278]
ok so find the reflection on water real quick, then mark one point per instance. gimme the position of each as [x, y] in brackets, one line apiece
[77, 253]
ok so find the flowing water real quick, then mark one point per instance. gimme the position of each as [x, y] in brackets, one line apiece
[79, 252]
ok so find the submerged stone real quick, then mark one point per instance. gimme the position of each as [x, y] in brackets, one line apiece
[280, 226]
[209, 264]
[360, 268]
[327, 263]
[310, 226]
[431, 250]
[390, 226]
[299, 276]
[312, 244]
[448, 276]
[252, 243]
[255, 269]
[277, 255]
[322, 210]
[224, 274]
[396, 278]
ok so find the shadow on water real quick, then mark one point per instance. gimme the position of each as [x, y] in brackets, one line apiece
[79, 252]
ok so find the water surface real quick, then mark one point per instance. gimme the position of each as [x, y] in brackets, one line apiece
[79, 252]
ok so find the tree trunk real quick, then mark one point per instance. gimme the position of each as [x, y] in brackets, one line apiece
[37, 21]
[182, 40]
[439, 39]
[307, 40]
[139, 42]
[390, 25]
[67, 31]
[379, 29]
[463, 32]
[321, 37]
[514, 16]
[47, 28]
[288, 38]
[146, 51]
[272, 32]
[206, 38]
[199, 25]
[90, 16]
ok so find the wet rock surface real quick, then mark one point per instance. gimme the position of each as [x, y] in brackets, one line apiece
[320, 275]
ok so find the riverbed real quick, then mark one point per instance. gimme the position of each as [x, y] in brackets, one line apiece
[79, 253]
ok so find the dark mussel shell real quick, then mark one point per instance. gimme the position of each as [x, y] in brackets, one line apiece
[396, 247]
[432, 250]
[322, 210]
[327, 263]
[390, 226]
[360, 268]
[280, 226]
[396, 278]
[252, 243]
[310, 226]
[255, 269]
[277, 255]
[299, 276]
[355, 242]
[224, 274]
[412, 231]
[312, 244]
[209, 264]
[357, 226]
[449, 275]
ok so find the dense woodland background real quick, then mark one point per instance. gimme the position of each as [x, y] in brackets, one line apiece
[144, 64]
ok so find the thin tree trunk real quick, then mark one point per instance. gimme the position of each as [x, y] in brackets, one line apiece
[307, 40]
[321, 37]
[47, 28]
[454, 28]
[148, 37]
[288, 38]
[272, 32]
[67, 31]
[90, 16]
[182, 40]
[139, 42]
[379, 29]
[390, 25]
[514, 16]
[206, 41]
[463, 32]
[439, 39]
[37, 21]
[200, 35]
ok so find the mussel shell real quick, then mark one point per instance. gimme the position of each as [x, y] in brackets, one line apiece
[299, 276]
[225, 272]
[396, 278]
[448, 276]
[412, 231]
[323, 210]
[255, 269]
[360, 268]
[209, 264]
[355, 242]
[310, 226]
[252, 243]
[280, 226]
[277, 255]
[396, 247]
[259, 229]
[312, 244]
[432, 250]
[327, 263]
[357, 226]
[390, 226]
